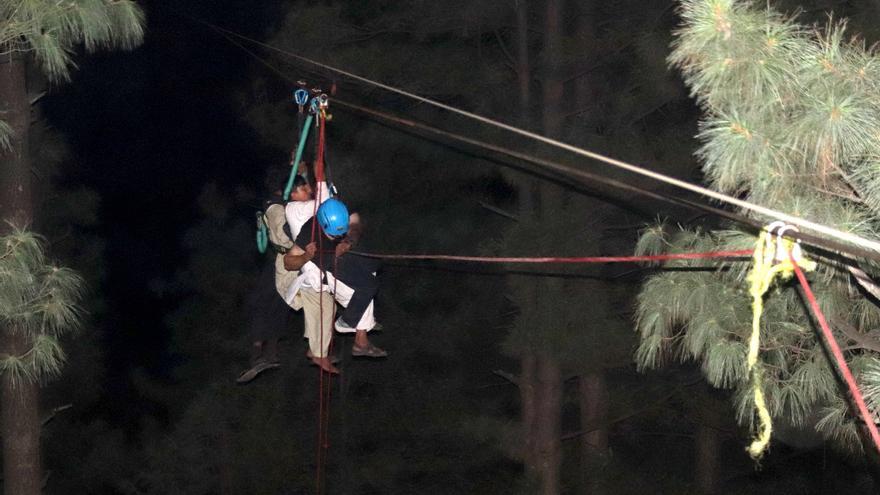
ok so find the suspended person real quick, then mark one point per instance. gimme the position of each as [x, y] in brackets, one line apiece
[298, 211]
[270, 316]
[318, 306]
[351, 279]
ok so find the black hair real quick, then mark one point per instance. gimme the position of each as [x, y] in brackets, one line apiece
[298, 181]
[276, 178]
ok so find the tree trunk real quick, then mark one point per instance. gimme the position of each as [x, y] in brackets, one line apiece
[594, 409]
[20, 422]
[523, 69]
[593, 398]
[586, 35]
[707, 452]
[553, 84]
[872, 457]
[549, 423]
[528, 393]
[15, 171]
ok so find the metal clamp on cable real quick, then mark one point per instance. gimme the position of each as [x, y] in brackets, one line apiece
[301, 97]
[323, 105]
[784, 249]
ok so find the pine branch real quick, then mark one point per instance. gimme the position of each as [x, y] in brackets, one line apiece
[865, 281]
[498, 211]
[54, 412]
[510, 58]
[610, 422]
[508, 376]
[853, 196]
[862, 340]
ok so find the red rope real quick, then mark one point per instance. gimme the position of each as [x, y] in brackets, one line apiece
[838, 357]
[319, 454]
[582, 259]
[323, 401]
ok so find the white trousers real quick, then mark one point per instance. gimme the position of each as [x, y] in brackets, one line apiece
[318, 312]
[339, 289]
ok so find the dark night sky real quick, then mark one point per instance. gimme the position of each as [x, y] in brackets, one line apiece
[148, 129]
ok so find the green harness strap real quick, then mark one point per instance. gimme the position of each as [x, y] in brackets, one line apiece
[262, 233]
[262, 230]
[303, 135]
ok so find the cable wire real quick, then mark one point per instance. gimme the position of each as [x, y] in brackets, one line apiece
[724, 198]
[822, 243]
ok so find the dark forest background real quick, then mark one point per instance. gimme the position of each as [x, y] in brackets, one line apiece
[497, 378]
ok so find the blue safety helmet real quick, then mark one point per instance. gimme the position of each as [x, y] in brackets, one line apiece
[333, 217]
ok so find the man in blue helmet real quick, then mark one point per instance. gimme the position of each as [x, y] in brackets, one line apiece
[320, 248]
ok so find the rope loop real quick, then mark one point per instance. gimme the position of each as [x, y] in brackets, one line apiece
[774, 256]
[262, 233]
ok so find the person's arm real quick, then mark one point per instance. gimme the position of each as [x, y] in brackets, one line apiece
[355, 228]
[303, 168]
[297, 257]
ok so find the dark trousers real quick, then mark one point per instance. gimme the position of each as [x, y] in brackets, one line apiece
[357, 272]
[270, 316]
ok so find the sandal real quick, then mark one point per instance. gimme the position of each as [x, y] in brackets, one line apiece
[369, 351]
[249, 374]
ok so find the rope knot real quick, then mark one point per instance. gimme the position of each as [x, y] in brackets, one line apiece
[774, 256]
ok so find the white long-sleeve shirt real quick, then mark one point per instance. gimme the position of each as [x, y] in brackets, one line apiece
[297, 214]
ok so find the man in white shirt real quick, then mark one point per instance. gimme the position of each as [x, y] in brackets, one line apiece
[352, 280]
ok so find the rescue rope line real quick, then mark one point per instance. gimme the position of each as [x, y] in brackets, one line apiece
[778, 215]
[558, 259]
[824, 243]
[324, 388]
[761, 281]
[831, 342]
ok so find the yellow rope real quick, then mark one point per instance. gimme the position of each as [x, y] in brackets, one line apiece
[766, 267]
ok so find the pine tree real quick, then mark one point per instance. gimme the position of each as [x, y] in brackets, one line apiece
[45, 33]
[49, 31]
[38, 304]
[790, 122]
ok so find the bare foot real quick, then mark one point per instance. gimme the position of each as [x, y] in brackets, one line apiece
[334, 359]
[325, 364]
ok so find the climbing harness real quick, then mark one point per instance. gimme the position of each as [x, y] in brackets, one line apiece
[262, 233]
[317, 112]
[303, 136]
